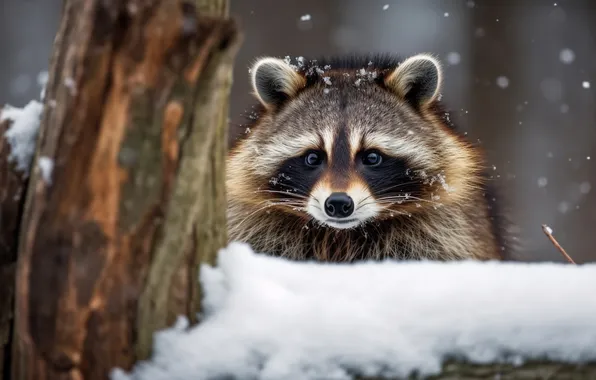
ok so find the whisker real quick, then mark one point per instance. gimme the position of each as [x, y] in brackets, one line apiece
[292, 203]
[300, 187]
[285, 200]
[251, 214]
[303, 191]
[283, 192]
[390, 188]
[405, 200]
[398, 185]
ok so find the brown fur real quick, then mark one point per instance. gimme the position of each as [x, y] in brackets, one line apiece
[448, 217]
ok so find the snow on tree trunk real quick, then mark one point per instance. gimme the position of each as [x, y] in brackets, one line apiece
[128, 193]
[12, 184]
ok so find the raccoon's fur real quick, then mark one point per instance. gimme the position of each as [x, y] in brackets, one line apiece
[352, 158]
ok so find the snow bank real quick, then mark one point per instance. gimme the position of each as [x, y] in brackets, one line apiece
[268, 318]
[22, 134]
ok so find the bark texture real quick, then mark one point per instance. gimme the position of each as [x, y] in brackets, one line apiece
[109, 247]
[12, 187]
[529, 371]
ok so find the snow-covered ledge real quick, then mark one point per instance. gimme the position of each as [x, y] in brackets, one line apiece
[268, 318]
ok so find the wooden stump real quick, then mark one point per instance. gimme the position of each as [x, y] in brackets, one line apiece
[134, 122]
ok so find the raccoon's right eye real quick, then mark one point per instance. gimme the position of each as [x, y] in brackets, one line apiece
[313, 159]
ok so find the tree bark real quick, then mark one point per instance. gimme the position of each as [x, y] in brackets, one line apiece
[133, 121]
[12, 187]
[530, 371]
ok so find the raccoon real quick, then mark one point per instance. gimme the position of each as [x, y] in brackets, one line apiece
[352, 158]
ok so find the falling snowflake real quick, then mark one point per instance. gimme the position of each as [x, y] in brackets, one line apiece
[567, 56]
[453, 58]
[564, 108]
[542, 181]
[503, 81]
[563, 207]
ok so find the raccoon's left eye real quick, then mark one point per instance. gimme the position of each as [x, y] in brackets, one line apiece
[372, 158]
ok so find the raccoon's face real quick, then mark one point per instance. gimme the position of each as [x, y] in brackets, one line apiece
[346, 147]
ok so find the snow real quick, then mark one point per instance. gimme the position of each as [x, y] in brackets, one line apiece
[22, 134]
[42, 81]
[446, 14]
[585, 187]
[567, 56]
[385, 7]
[71, 84]
[453, 58]
[563, 207]
[542, 182]
[305, 17]
[46, 166]
[503, 81]
[269, 318]
[586, 84]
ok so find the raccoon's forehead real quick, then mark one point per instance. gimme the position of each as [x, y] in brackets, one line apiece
[367, 117]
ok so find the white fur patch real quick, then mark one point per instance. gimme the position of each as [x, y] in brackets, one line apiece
[354, 139]
[365, 207]
[328, 140]
[280, 148]
[408, 147]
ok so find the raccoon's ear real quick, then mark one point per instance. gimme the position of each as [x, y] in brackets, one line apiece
[418, 80]
[274, 81]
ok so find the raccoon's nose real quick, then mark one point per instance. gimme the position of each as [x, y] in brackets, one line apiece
[339, 205]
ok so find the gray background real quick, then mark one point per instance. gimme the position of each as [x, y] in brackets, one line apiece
[538, 131]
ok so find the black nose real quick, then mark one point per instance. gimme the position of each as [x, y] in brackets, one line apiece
[339, 205]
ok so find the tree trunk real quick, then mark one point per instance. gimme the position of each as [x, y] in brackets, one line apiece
[134, 122]
[12, 186]
[213, 215]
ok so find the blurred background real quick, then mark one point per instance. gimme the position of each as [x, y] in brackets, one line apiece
[520, 79]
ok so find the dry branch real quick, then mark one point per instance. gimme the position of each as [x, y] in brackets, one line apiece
[548, 232]
[132, 115]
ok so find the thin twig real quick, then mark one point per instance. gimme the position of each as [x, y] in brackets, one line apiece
[549, 233]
